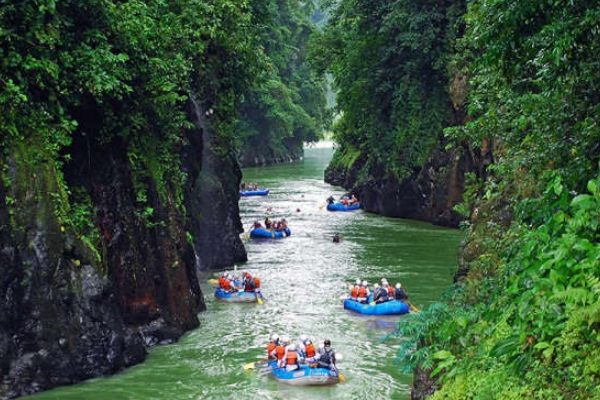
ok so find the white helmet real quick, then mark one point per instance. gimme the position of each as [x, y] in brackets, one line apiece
[292, 347]
[285, 340]
[358, 281]
[274, 337]
[376, 285]
[226, 274]
[350, 287]
[365, 283]
[383, 280]
[398, 285]
[303, 338]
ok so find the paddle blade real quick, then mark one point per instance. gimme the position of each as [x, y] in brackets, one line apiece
[413, 308]
[213, 282]
[249, 366]
[246, 236]
[342, 377]
[259, 300]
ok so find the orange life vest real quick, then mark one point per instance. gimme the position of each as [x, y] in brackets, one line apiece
[256, 283]
[354, 292]
[292, 358]
[390, 291]
[310, 350]
[270, 347]
[226, 284]
[279, 352]
[362, 291]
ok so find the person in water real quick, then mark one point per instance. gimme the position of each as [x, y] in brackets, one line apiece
[399, 293]
[330, 200]
[326, 356]
[336, 238]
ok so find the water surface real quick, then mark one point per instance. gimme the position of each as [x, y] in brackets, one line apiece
[303, 278]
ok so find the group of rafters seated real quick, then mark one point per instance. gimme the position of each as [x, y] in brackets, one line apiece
[247, 283]
[248, 187]
[346, 200]
[277, 226]
[360, 292]
[290, 355]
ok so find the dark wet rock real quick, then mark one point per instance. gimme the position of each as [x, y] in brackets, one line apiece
[212, 196]
[260, 154]
[423, 385]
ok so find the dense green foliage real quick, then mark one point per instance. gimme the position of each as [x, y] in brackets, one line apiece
[390, 62]
[525, 320]
[286, 106]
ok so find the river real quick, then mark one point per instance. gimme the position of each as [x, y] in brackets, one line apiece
[303, 278]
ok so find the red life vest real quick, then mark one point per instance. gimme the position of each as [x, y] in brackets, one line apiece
[257, 283]
[279, 352]
[390, 291]
[310, 350]
[362, 291]
[221, 279]
[292, 358]
[354, 292]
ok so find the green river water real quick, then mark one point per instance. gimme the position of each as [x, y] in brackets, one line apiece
[303, 278]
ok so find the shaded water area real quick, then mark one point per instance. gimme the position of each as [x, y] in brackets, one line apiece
[303, 278]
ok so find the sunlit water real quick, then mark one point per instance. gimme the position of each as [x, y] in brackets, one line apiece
[303, 277]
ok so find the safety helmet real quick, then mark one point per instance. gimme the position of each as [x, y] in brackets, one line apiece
[365, 283]
[274, 337]
[398, 285]
[292, 347]
[358, 281]
[376, 285]
[383, 280]
[285, 340]
[226, 275]
[303, 338]
[350, 287]
[327, 342]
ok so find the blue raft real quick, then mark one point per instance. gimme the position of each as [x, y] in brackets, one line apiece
[235, 297]
[337, 206]
[305, 376]
[246, 193]
[262, 233]
[392, 307]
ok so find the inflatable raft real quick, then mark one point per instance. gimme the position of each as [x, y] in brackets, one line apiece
[305, 376]
[392, 307]
[235, 297]
[337, 206]
[262, 233]
[260, 192]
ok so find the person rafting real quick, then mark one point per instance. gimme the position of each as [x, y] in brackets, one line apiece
[273, 343]
[226, 283]
[291, 358]
[330, 200]
[306, 347]
[336, 238]
[380, 294]
[256, 225]
[399, 293]
[326, 356]
[268, 223]
[363, 292]
[279, 351]
[354, 289]
[353, 199]
[386, 286]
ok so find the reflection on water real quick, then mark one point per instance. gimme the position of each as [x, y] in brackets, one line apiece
[303, 278]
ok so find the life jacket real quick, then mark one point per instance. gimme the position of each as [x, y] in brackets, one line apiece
[309, 349]
[221, 279]
[256, 283]
[270, 347]
[324, 360]
[249, 285]
[292, 358]
[391, 291]
[362, 291]
[279, 352]
[226, 284]
[354, 292]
